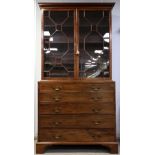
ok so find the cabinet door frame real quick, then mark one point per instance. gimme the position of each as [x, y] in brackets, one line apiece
[42, 41]
[110, 41]
[76, 7]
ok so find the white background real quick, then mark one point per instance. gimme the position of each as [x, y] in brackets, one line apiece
[17, 68]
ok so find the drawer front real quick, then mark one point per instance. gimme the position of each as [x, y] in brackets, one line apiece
[76, 121]
[76, 97]
[75, 87]
[76, 135]
[79, 108]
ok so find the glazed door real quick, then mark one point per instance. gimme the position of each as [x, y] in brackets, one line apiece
[94, 44]
[76, 44]
[58, 44]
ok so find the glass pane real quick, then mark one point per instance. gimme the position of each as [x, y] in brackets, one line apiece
[94, 44]
[58, 44]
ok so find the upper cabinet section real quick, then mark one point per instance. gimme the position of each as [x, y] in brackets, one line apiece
[76, 41]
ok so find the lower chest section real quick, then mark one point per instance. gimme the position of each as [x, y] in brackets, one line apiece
[74, 112]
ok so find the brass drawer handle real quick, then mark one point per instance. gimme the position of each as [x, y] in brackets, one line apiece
[95, 89]
[97, 123]
[55, 123]
[57, 89]
[56, 99]
[57, 110]
[95, 110]
[57, 137]
[96, 136]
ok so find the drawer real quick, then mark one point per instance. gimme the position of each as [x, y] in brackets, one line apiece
[76, 97]
[75, 87]
[79, 108]
[76, 121]
[77, 135]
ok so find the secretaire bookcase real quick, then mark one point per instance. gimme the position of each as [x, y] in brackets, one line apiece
[76, 95]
